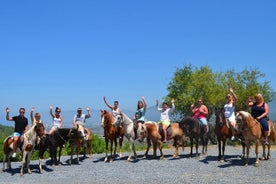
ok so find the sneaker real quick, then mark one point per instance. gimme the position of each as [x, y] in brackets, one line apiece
[232, 138]
[266, 142]
[165, 141]
[13, 155]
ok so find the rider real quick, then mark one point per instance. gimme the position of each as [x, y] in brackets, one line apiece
[57, 119]
[79, 119]
[36, 118]
[229, 110]
[115, 111]
[21, 126]
[165, 116]
[200, 112]
[260, 110]
[139, 117]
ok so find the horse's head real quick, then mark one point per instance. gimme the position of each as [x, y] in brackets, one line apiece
[220, 116]
[106, 118]
[142, 132]
[76, 132]
[40, 129]
[243, 120]
[187, 124]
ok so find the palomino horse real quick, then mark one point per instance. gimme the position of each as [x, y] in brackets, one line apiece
[52, 142]
[76, 137]
[252, 132]
[151, 130]
[110, 134]
[26, 147]
[223, 131]
[129, 133]
[195, 130]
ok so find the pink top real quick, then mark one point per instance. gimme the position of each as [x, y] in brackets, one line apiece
[197, 114]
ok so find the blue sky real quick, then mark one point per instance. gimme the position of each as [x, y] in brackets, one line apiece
[72, 53]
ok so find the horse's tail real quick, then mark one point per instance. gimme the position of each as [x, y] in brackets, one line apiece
[272, 133]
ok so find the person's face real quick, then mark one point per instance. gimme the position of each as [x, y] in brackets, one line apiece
[37, 117]
[21, 112]
[57, 111]
[165, 106]
[115, 104]
[199, 102]
[79, 111]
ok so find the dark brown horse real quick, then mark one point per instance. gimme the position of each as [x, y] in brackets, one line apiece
[252, 132]
[223, 132]
[111, 134]
[194, 129]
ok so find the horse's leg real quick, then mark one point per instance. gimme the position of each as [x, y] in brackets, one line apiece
[112, 154]
[28, 162]
[247, 153]
[191, 145]
[219, 149]
[257, 153]
[154, 145]
[23, 163]
[4, 160]
[148, 147]
[120, 146]
[264, 154]
[160, 149]
[197, 144]
[106, 150]
[78, 152]
[176, 143]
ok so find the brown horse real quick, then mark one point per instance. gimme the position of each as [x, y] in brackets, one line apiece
[77, 140]
[194, 129]
[252, 132]
[29, 140]
[223, 131]
[111, 134]
[152, 130]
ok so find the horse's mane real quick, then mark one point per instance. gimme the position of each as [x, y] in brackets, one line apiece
[247, 117]
[127, 118]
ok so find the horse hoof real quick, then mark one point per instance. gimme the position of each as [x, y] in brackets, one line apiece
[263, 158]
[256, 164]
[161, 157]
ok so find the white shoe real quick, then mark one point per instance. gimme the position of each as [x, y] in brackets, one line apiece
[232, 138]
[14, 155]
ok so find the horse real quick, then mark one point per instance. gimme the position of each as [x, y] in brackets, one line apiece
[111, 133]
[77, 140]
[195, 130]
[30, 139]
[223, 131]
[129, 133]
[52, 142]
[252, 132]
[154, 132]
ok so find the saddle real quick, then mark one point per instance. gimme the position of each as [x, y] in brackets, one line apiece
[161, 132]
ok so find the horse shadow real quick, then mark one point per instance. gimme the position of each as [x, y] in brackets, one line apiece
[34, 168]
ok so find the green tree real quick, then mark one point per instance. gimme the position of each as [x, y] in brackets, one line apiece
[191, 83]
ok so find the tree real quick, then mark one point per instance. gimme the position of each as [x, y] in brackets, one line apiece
[191, 83]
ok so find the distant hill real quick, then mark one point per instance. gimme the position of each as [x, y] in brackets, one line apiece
[272, 108]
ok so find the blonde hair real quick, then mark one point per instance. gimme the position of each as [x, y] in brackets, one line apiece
[259, 98]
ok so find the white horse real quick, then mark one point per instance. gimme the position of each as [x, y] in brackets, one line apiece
[129, 133]
[29, 141]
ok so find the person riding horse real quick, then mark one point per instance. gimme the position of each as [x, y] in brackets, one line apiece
[200, 112]
[21, 126]
[165, 116]
[80, 118]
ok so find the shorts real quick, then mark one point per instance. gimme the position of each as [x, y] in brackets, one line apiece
[167, 123]
[203, 121]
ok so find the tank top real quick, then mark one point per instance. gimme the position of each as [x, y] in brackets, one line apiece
[198, 115]
[56, 121]
[229, 110]
[257, 111]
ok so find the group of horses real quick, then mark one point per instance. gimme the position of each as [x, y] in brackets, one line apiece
[247, 129]
[36, 137]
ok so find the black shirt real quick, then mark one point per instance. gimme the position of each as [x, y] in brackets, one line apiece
[20, 123]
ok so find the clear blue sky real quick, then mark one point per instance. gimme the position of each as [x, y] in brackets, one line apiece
[72, 53]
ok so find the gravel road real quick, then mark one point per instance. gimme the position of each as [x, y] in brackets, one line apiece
[179, 170]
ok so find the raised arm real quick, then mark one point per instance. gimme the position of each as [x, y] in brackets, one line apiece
[108, 105]
[7, 115]
[157, 103]
[88, 115]
[144, 102]
[32, 114]
[51, 111]
[234, 95]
